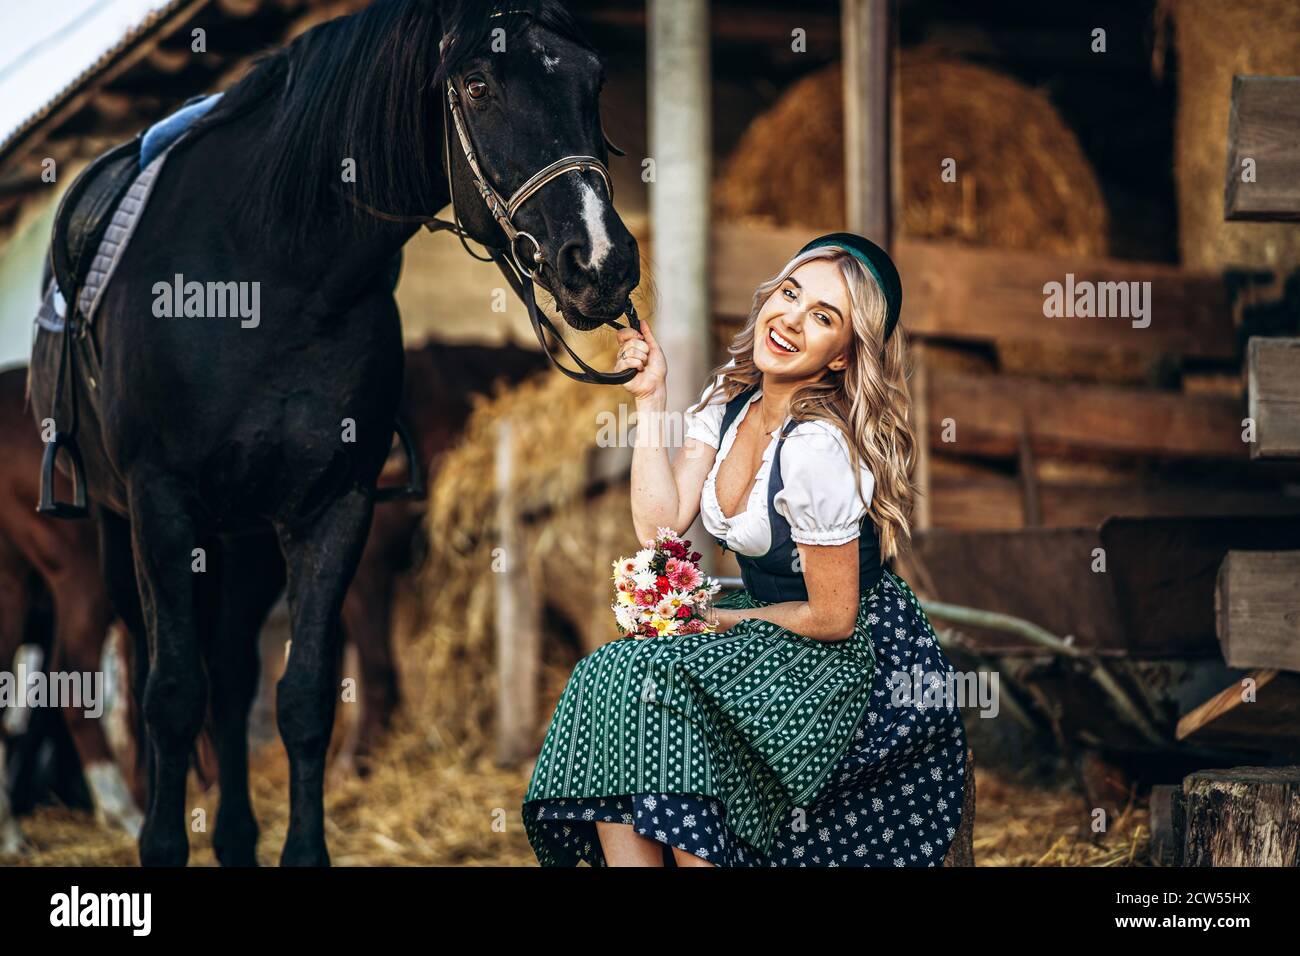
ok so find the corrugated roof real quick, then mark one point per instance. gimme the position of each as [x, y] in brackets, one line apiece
[50, 50]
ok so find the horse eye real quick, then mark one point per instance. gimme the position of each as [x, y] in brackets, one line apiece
[477, 89]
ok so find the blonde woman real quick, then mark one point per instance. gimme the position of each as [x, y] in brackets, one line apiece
[815, 726]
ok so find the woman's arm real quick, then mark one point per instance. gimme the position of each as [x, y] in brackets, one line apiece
[831, 576]
[664, 495]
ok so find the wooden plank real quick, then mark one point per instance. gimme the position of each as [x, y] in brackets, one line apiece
[1042, 575]
[969, 293]
[1264, 132]
[1164, 570]
[989, 415]
[1271, 721]
[1273, 396]
[995, 502]
[1257, 612]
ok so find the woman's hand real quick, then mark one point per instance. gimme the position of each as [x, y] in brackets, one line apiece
[639, 350]
[724, 618]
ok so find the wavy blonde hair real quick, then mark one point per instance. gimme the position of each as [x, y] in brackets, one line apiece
[868, 401]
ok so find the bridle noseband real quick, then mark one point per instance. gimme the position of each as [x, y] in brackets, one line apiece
[520, 272]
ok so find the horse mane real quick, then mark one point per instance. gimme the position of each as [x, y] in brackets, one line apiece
[365, 87]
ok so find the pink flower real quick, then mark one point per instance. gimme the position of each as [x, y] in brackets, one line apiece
[683, 575]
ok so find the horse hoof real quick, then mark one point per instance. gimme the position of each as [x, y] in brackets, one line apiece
[155, 852]
[305, 856]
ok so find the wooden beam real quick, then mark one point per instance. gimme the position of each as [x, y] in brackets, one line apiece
[28, 138]
[1260, 711]
[968, 293]
[995, 502]
[990, 415]
[1264, 135]
[1256, 611]
[866, 35]
[1273, 396]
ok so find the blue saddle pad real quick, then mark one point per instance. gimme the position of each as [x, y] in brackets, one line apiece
[165, 132]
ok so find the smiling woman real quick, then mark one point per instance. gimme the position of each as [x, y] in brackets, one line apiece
[784, 737]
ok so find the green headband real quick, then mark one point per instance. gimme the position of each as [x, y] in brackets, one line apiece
[878, 263]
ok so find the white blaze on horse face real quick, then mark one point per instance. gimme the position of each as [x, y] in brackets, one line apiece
[593, 217]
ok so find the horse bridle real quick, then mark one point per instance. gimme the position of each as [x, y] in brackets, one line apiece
[520, 272]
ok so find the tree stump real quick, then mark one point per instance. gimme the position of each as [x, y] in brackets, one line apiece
[1244, 816]
[962, 850]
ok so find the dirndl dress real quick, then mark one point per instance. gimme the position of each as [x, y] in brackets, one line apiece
[757, 746]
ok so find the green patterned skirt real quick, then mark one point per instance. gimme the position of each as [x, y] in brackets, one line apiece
[755, 716]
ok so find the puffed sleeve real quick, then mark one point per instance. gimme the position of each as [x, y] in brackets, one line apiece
[819, 497]
[706, 424]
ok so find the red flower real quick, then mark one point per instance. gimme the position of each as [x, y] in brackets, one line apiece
[683, 612]
[695, 557]
[662, 584]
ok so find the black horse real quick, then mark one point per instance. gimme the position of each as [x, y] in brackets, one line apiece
[203, 433]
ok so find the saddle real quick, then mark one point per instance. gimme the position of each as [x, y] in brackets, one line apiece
[83, 218]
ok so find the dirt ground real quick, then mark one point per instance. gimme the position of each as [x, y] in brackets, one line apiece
[426, 805]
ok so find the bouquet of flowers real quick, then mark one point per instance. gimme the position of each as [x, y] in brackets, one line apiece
[661, 591]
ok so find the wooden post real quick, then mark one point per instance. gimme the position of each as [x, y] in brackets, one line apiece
[1167, 825]
[518, 637]
[866, 35]
[680, 146]
[1246, 816]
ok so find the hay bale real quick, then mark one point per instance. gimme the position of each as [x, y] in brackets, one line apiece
[451, 678]
[1023, 181]
[1215, 41]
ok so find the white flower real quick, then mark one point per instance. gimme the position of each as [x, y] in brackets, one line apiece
[643, 558]
[645, 580]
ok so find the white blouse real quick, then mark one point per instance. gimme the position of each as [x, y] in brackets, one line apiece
[818, 498]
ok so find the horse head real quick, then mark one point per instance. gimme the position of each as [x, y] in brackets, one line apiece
[527, 92]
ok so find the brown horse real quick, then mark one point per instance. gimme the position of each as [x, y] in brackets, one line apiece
[62, 558]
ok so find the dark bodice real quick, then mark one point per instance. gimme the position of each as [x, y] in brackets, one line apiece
[777, 575]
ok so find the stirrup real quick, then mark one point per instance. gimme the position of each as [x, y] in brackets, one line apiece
[414, 487]
[48, 505]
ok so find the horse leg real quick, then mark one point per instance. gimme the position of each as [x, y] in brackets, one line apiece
[82, 619]
[367, 621]
[117, 564]
[163, 538]
[14, 600]
[252, 577]
[320, 559]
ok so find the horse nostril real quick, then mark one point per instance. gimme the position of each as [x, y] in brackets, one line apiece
[574, 261]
